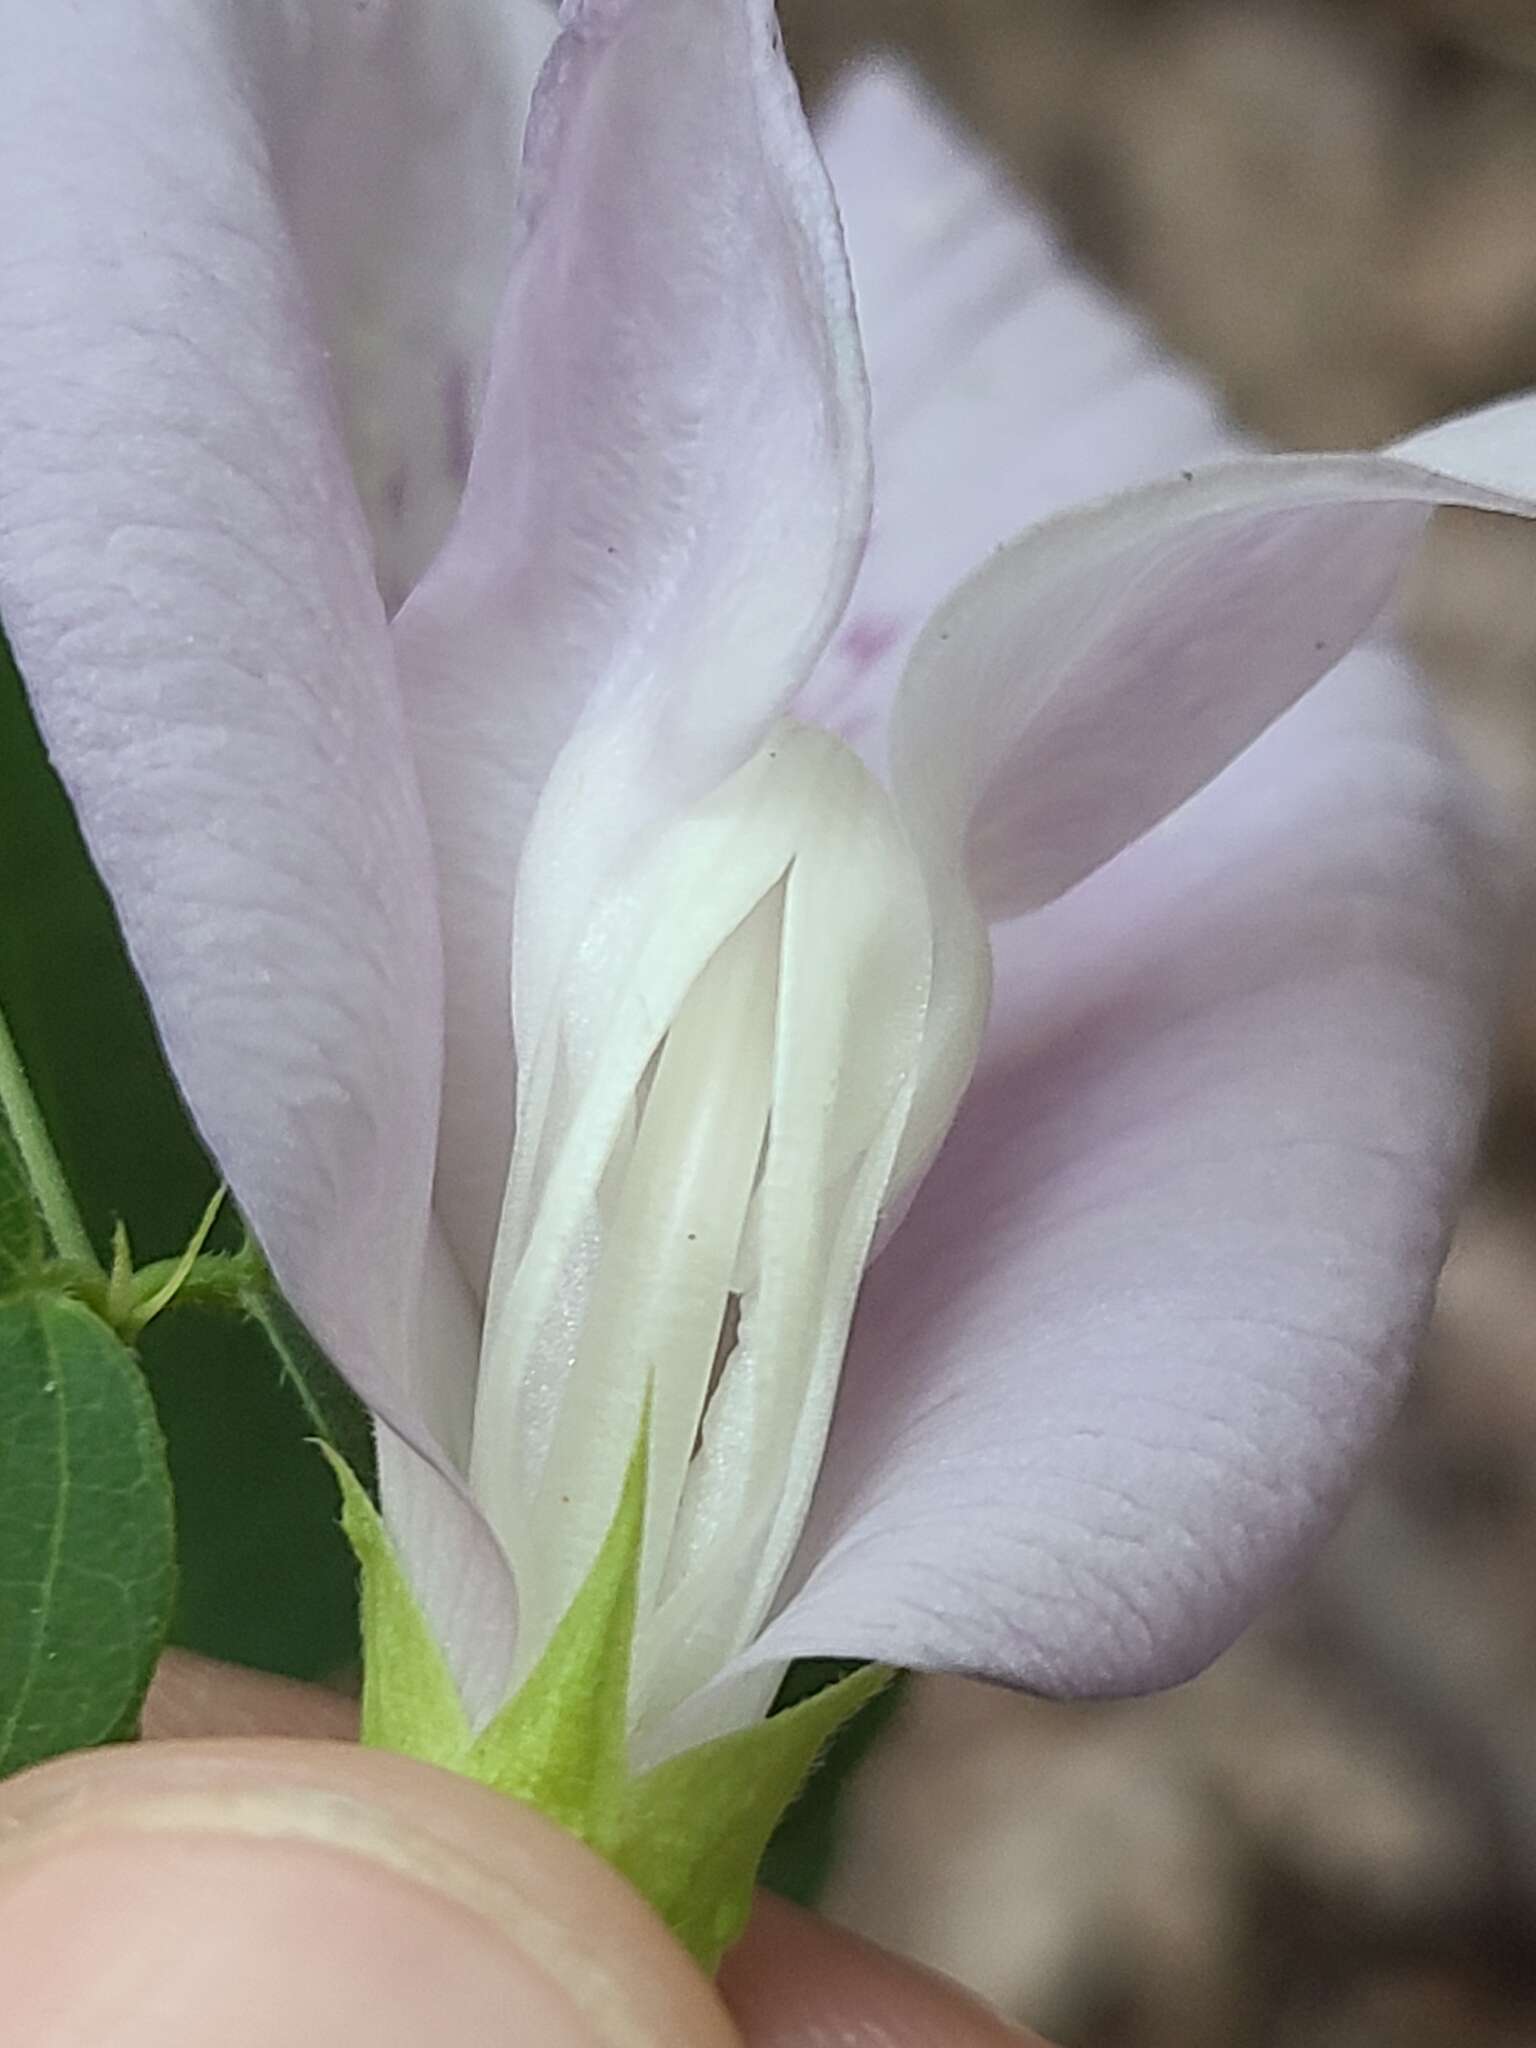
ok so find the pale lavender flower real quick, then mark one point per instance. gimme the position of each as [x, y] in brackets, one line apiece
[1117, 1363]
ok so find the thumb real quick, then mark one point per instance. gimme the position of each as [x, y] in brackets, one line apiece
[255, 1892]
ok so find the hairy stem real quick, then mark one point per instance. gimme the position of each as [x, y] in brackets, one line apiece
[43, 1169]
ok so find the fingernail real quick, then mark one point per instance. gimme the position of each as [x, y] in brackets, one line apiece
[208, 1893]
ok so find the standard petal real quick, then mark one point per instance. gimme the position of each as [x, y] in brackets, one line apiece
[1120, 1364]
[664, 512]
[185, 575]
[1006, 385]
[395, 132]
[1107, 664]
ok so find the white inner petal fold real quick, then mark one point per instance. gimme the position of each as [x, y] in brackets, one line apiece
[710, 1133]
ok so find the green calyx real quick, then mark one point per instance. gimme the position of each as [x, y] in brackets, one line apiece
[689, 1833]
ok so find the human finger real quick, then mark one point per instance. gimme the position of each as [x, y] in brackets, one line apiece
[278, 1891]
[193, 1696]
[795, 1981]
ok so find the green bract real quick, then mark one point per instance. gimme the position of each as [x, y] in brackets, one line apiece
[690, 1832]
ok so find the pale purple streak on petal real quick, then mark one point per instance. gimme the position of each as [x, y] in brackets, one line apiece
[185, 574]
[1100, 669]
[664, 511]
[1160, 1290]
[1006, 385]
[457, 1570]
[396, 129]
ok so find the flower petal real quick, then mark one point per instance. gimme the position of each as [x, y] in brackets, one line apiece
[664, 511]
[1493, 447]
[1005, 384]
[1119, 1366]
[396, 131]
[185, 575]
[1107, 664]
[456, 1569]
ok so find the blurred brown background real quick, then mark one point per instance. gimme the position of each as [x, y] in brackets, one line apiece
[1331, 1838]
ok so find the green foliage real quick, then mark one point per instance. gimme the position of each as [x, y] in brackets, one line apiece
[87, 1547]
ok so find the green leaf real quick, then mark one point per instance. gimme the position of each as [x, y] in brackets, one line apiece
[87, 1545]
[22, 1245]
